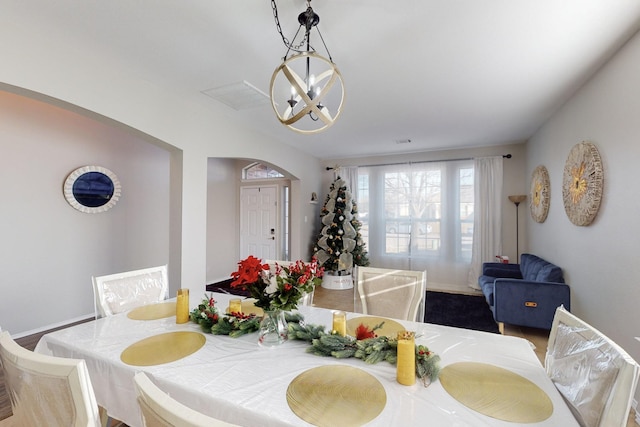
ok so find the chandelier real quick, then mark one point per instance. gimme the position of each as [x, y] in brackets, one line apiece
[306, 90]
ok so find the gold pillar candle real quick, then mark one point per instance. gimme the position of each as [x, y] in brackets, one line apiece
[235, 305]
[340, 323]
[182, 306]
[406, 370]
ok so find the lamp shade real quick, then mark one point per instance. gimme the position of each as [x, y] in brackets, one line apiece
[518, 198]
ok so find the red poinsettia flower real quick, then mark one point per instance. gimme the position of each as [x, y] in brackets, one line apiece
[278, 289]
[364, 332]
[249, 271]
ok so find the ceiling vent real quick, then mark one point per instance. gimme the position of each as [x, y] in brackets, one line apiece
[239, 96]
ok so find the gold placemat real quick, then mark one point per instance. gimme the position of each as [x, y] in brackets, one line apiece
[389, 329]
[163, 348]
[336, 395]
[153, 311]
[496, 392]
[248, 307]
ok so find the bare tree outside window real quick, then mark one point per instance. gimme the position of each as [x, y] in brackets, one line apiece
[418, 211]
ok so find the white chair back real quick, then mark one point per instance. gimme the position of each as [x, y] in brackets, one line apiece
[392, 293]
[160, 410]
[596, 376]
[47, 390]
[116, 293]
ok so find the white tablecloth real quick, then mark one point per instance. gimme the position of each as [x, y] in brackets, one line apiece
[235, 380]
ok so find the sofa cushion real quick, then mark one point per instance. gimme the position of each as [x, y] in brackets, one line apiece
[536, 269]
[550, 273]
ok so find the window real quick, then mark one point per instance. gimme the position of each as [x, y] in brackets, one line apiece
[418, 215]
[260, 171]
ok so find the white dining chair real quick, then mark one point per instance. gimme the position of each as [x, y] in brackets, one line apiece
[399, 294]
[307, 297]
[46, 390]
[116, 293]
[596, 376]
[161, 410]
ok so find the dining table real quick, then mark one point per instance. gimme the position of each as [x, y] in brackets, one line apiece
[486, 379]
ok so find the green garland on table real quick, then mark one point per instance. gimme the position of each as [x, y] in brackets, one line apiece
[370, 350]
[234, 324]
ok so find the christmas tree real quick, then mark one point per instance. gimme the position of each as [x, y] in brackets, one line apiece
[339, 246]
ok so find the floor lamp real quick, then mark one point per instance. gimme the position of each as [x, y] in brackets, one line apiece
[517, 200]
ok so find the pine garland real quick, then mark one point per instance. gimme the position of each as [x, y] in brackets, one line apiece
[235, 326]
[371, 350]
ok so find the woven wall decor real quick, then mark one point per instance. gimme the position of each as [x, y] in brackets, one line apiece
[582, 183]
[539, 194]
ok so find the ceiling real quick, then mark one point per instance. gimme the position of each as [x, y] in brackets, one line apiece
[443, 74]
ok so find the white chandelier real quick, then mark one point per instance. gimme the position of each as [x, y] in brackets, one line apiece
[306, 90]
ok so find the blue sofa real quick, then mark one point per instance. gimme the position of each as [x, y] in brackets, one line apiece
[525, 294]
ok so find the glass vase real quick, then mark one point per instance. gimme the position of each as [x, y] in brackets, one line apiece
[273, 329]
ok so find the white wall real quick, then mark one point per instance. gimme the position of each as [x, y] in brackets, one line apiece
[222, 219]
[50, 250]
[601, 261]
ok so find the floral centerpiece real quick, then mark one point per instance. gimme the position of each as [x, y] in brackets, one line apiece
[278, 290]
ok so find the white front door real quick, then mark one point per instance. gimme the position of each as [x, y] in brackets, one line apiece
[258, 219]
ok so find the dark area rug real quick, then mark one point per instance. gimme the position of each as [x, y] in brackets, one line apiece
[224, 287]
[461, 311]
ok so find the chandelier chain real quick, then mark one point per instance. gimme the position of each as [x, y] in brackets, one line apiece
[286, 41]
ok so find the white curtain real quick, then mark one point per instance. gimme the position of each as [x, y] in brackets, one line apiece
[418, 216]
[350, 175]
[487, 221]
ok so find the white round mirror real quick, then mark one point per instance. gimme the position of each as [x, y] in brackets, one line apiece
[92, 189]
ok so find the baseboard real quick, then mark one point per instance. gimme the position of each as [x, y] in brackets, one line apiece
[54, 326]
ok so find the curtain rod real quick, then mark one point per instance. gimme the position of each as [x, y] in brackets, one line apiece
[504, 156]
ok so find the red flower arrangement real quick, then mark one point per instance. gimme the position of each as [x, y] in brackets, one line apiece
[278, 290]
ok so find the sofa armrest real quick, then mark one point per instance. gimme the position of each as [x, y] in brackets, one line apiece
[497, 269]
[528, 303]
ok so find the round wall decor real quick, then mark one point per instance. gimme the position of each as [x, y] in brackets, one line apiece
[92, 189]
[582, 183]
[539, 194]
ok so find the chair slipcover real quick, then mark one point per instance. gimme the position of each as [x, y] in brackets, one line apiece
[596, 377]
[160, 410]
[47, 390]
[392, 293]
[120, 292]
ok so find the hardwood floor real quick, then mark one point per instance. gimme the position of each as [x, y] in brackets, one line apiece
[332, 299]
